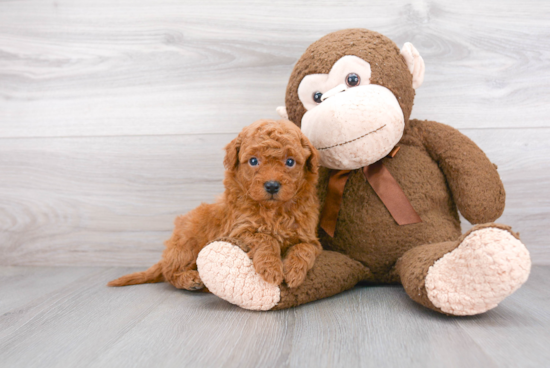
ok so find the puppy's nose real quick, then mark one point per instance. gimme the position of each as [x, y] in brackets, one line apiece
[272, 187]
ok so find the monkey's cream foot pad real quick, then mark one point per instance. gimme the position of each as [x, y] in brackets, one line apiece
[229, 273]
[485, 268]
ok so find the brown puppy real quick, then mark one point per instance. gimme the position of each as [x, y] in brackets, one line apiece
[269, 205]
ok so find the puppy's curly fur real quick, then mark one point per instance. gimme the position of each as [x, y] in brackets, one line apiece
[266, 225]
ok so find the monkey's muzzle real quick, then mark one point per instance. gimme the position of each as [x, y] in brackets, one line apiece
[356, 127]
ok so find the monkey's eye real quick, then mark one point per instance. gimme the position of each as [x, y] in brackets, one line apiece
[290, 162]
[317, 97]
[353, 80]
[253, 161]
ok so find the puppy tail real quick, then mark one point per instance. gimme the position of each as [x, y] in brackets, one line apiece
[152, 275]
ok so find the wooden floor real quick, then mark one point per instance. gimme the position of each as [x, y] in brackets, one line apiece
[67, 317]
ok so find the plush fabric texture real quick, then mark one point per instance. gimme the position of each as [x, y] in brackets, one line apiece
[431, 156]
[333, 82]
[331, 274]
[388, 67]
[228, 272]
[441, 172]
[488, 265]
[367, 118]
[411, 269]
[415, 63]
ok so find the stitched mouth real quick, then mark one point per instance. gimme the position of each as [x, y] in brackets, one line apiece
[353, 140]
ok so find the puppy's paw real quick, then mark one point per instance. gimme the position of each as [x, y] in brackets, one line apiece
[295, 270]
[188, 280]
[270, 269]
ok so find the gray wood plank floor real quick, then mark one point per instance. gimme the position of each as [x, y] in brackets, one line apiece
[67, 317]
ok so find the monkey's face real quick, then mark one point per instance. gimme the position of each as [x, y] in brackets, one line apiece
[352, 93]
[351, 122]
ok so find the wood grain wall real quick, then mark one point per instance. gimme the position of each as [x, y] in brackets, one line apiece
[113, 114]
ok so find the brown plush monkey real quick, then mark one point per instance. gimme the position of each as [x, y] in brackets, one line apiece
[390, 189]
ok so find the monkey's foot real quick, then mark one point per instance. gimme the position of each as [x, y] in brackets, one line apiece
[488, 265]
[228, 272]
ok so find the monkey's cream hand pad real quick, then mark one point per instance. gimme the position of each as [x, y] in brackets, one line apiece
[229, 273]
[486, 267]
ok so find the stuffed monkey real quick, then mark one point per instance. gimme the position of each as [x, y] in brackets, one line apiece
[390, 189]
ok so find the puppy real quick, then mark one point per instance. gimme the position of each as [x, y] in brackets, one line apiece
[269, 207]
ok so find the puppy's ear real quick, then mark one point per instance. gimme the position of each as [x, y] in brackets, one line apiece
[231, 159]
[312, 161]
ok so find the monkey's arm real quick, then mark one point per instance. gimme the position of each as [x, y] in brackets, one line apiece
[474, 181]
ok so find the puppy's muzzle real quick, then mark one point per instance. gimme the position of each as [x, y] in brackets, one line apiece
[272, 187]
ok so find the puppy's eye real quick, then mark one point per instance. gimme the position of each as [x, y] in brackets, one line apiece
[253, 161]
[353, 80]
[317, 97]
[290, 162]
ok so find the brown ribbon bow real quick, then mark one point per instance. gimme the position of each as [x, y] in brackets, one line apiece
[384, 185]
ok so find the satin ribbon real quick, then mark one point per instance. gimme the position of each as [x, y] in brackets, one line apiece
[336, 184]
[384, 185]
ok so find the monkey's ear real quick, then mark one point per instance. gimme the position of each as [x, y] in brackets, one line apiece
[415, 63]
[231, 159]
[281, 110]
[312, 161]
